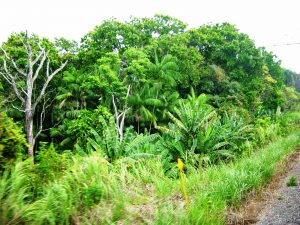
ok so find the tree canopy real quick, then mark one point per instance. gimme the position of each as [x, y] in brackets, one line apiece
[138, 71]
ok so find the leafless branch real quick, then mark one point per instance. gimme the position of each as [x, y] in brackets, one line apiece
[7, 100]
[42, 117]
[11, 80]
[47, 68]
[22, 89]
[17, 108]
[125, 108]
[40, 65]
[115, 106]
[37, 58]
[5, 77]
[49, 78]
[28, 47]
[120, 116]
[13, 62]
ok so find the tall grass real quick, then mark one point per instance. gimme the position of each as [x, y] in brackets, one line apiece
[94, 191]
[218, 187]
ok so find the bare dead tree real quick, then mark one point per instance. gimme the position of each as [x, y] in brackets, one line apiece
[35, 63]
[120, 115]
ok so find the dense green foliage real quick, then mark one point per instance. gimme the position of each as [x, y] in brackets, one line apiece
[94, 191]
[133, 98]
[12, 141]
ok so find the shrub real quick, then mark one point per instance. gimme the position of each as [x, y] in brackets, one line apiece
[50, 164]
[197, 133]
[12, 141]
[76, 129]
[266, 130]
[109, 145]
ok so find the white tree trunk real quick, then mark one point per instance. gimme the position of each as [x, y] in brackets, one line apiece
[120, 116]
[29, 134]
[26, 95]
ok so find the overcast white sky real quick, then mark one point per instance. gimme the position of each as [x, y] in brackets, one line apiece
[268, 22]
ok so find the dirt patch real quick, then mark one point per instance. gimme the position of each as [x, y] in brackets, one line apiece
[145, 213]
[258, 199]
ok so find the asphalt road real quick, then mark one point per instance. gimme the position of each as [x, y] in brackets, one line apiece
[285, 208]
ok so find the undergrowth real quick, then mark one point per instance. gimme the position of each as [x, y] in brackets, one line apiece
[94, 191]
[65, 188]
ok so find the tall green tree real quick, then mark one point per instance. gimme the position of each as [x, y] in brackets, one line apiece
[142, 105]
[190, 62]
[224, 46]
[157, 26]
[110, 36]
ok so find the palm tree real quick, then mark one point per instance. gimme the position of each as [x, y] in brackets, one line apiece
[165, 71]
[170, 100]
[73, 94]
[164, 76]
[142, 104]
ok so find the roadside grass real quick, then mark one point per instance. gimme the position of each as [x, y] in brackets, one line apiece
[219, 187]
[292, 181]
[94, 191]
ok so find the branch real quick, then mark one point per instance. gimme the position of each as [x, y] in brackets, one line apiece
[37, 58]
[6, 78]
[40, 65]
[125, 109]
[49, 78]
[39, 55]
[115, 107]
[28, 47]
[15, 107]
[121, 115]
[14, 64]
[22, 89]
[11, 80]
[118, 116]
[18, 85]
[32, 62]
[7, 100]
[128, 91]
[47, 67]
[42, 118]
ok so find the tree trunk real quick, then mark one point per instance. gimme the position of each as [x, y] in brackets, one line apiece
[29, 133]
[28, 107]
[29, 115]
[120, 116]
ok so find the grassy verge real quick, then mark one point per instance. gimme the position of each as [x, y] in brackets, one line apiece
[96, 192]
[219, 187]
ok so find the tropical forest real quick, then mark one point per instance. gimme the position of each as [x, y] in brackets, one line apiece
[145, 121]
